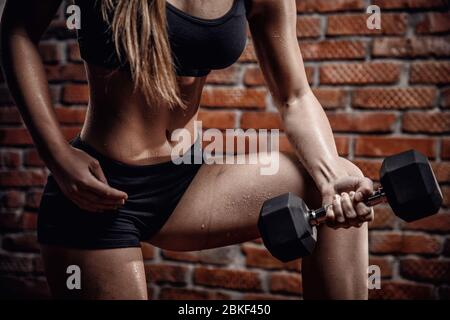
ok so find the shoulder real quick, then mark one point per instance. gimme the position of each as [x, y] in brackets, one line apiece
[262, 7]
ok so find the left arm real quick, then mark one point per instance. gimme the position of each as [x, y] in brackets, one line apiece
[273, 28]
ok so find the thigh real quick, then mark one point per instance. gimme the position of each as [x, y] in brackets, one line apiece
[222, 204]
[221, 207]
[105, 274]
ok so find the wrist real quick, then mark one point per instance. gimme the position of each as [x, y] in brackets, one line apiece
[54, 154]
[325, 174]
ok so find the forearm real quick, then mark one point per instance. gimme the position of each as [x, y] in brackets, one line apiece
[309, 131]
[27, 81]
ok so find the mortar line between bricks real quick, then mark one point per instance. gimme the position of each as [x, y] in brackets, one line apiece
[351, 147]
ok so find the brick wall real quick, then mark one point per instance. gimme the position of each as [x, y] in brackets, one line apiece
[384, 91]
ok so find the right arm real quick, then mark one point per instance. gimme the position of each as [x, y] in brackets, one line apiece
[79, 175]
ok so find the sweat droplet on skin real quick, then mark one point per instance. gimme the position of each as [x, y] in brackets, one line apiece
[203, 226]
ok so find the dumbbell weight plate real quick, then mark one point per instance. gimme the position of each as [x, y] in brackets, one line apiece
[410, 185]
[291, 235]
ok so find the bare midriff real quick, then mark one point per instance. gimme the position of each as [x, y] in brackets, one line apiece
[121, 125]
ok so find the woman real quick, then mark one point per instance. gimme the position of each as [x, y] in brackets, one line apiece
[114, 185]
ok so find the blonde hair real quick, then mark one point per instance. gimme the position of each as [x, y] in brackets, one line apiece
[140, 34]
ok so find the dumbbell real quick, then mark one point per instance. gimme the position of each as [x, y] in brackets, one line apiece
[289, 229]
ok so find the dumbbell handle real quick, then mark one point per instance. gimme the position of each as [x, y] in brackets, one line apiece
[318, 216]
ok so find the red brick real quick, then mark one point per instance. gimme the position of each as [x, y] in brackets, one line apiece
[394, 98]
[218, 256]
[228, 75]
[401, 290]
[227, 278]
[435, 72]
[384, 218]
[25, 242]
[249, 54]
[9, 221]
[10, 115]
[33, 198]
[73, 52]
[254, 77]
[385, 265]
[333, 49]
[166, 273]
[331, 98]
[14, 136]
[217, 119]
[389, 242]
[68, 115]
[356, 24]
[446, 195]
[180, 256]
[360, 73]
[286, 283]
[362, 122]
[261, 120]
[191, 294]
[445, 149]
[28, 221]
[436, 223]
[21, 136]
[434, 22]
[32, 159]
[25, 178]
[328, 6]
[386, 146]
[58, 29]
[441, 171]
[10, 159]
[410, 4]
[234, 98]
[50, 52]
[18, 222]
[148, 251]
[342, 145]
[256, 257]
[285, 145]
[445, 98]
[370, 168]
[75, 94]
[73, 72]
[426, 270]
[411, 47]
[12, 199]
[15, 264]
[309, 27]
[425, 122]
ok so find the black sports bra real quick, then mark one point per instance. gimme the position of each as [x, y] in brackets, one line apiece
[198, 45]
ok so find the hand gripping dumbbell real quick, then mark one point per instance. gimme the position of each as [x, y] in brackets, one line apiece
[288, 227]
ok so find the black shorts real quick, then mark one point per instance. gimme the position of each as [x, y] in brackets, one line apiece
[153, 193]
